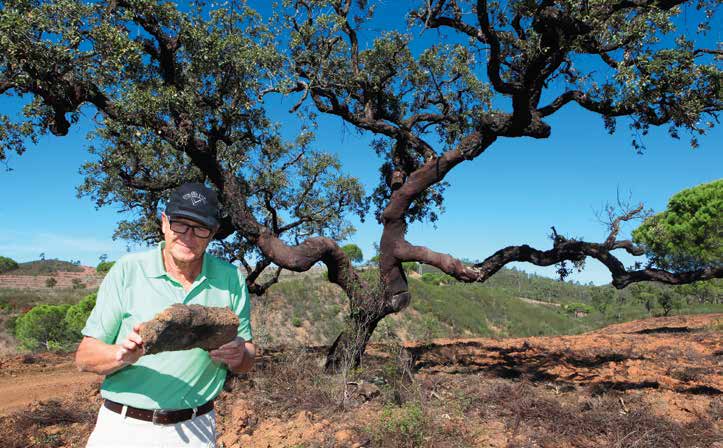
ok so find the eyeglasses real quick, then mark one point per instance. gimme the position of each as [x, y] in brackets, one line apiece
[182, 228]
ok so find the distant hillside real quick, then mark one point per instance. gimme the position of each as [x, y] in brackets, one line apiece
[37, 275]
[45, 267]
[309, 310]
[305, 309]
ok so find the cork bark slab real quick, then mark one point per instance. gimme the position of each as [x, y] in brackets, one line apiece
[183, 327]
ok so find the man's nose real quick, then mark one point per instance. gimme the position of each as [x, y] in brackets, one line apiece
[188, 237]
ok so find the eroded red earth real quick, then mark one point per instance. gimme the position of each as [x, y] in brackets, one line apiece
[671, 368]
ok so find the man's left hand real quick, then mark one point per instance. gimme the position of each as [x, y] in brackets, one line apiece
[232, 354]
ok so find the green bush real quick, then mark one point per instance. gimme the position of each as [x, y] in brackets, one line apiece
[437, 279]
[52, 327]
[42, 326]
[7, 265]
[51, 282]
[77, 315]
[669, 301]
[77, 284]
[104, 266]
[400, 426]
[295, 321]
[410, 266]
[572, 308]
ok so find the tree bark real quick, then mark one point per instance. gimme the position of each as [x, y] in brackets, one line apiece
[347, 350]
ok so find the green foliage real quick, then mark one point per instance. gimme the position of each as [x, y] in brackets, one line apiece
[354, 253]
[7, 265]
[709, 291]
[53, 327]
[50, 282]
[687, 235]
[573, 308]
[104, 266]
[645, 294]
[410, 266]
[223, 58]
[668, 301]
[42, 326]
[77, 315]
[77, 284]
[27, 298]
[296, 321]
[400, 426]
[438, 278]
[603, 298]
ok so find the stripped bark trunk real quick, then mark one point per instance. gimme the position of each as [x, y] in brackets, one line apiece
[347, 350]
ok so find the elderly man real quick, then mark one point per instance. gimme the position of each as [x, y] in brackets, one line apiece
[165, 400]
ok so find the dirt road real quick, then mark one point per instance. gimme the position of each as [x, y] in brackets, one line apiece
[19, 390]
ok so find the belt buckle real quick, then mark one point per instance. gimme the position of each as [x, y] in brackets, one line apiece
[156, 414]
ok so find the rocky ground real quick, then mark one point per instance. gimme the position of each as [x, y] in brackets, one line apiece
[651, 383]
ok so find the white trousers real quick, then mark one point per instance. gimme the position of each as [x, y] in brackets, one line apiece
[116, 431]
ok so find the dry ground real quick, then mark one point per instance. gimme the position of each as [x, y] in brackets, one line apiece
[652, 383]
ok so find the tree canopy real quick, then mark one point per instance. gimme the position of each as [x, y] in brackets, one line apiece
[178, 94]
[354, 253]
[688, 235]
[7, 264]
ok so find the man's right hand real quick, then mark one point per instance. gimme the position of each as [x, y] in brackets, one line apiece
[131, 348]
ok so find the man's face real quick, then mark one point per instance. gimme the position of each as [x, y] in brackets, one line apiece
[184, 247]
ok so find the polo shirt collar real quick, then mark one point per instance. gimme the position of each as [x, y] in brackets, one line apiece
[156, 269]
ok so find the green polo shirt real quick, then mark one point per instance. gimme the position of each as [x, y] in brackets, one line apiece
[134, 291]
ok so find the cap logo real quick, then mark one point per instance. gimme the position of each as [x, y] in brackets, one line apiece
[195, 197]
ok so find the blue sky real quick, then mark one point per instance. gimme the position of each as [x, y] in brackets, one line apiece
[511, 194]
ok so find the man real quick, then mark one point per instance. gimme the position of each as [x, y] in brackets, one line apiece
[165, 400]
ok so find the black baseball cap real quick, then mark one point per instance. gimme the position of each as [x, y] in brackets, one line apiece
[194, 201]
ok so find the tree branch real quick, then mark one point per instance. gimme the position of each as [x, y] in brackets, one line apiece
[573, 250]
[167, 46]
[447, 263]
[259, 289]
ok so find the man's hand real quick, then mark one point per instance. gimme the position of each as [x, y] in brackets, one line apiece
[235, 354]
[131, 348]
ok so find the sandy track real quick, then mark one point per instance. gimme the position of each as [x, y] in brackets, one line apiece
[18, 391]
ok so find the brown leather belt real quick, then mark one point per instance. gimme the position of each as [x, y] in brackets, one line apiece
[159, 416]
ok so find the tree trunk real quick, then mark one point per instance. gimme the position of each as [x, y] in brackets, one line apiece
[347, 350]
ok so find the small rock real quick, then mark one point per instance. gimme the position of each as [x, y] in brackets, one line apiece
[343, 436]
[367, 391]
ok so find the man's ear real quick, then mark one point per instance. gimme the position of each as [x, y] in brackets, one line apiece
[164, 221]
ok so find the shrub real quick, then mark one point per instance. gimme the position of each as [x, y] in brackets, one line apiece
[400, 426]
[104, 266]
[437, 279]
[410, 266]
[50, 282]
[669, 300]
[77, 284]
[572, 308]
[77, 315]
[7, 265]
[295, 321]
[44, 325]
